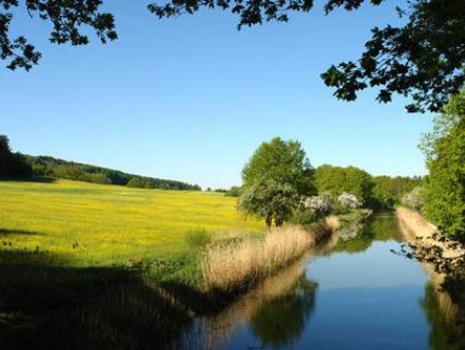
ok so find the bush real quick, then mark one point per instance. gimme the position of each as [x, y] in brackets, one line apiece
[321, 205]
[414, 199]
[136, 182]
[198, 238]
[303, 217]
[234, 191]
[349, 201]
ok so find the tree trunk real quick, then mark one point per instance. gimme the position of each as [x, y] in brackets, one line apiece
[268, 220]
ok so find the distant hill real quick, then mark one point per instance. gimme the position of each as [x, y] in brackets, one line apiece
[58, 168]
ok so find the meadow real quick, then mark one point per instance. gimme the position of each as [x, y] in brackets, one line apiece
[104, 225]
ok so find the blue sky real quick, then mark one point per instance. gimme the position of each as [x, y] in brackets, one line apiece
[191, 98]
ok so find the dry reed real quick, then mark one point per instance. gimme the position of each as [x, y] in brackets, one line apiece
[232, 267]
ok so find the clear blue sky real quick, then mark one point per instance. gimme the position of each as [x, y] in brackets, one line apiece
[191, 98]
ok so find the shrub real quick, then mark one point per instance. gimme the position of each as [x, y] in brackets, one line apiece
[414, 199]
[234, 191]
[321, 205]
[349, 201]
[304, 217]
[198, 238]
[136, 182]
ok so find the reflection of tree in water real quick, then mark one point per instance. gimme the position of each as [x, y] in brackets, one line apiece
[379, 228]
[446, 319]
[385, 228]
[282, 320]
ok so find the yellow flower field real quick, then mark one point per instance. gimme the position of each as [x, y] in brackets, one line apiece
[93, 224]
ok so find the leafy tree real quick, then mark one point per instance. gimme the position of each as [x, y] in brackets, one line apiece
[12, 164]
[389, 191]
[444, 189]
[275, 178]
[338, 180]
[423, 58]
[234, 191]
[136, 182]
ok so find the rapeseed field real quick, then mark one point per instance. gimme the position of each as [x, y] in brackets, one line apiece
[104, 225]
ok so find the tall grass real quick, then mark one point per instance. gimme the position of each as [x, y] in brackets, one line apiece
[236, 266]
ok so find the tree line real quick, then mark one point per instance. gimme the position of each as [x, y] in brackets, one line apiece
[17, 165]
[58, 168]
[279, 183]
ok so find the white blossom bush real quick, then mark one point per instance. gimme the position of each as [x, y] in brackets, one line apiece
[321, 204]
[348, 200]
[414, 199]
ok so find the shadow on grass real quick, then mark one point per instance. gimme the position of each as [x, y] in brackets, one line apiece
[46, 305]
[41, 179]
[7, 231]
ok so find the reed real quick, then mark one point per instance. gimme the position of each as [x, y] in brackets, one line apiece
[234, 267]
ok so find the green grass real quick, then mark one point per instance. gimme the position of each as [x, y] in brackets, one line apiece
[103, 225]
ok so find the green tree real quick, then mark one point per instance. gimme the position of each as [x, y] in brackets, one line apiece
[389, 191]
[136, 182]
[444, 189]
[275, 178]
[337, 180]
[12, 164]
[422, 58]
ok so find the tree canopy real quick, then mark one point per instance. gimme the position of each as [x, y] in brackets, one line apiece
[338, 180]
[423, 58]
[12, 164]
[444, 189]
[274, 180]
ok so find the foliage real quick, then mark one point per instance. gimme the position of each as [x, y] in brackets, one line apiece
[303, 217]
[349, 201]
[338, 180]
[320, 205]
[444, 189]
[102, 225]
[234, 191]
[198, 238]
[423, 58]
[414, 199]
[135, 182]
[58, 168]
[67, 19]
[275, 178]
[389, 191]
[12, 164]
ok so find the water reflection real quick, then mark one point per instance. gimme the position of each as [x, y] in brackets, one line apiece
[280, 321]
[352, 294]
[447, 328]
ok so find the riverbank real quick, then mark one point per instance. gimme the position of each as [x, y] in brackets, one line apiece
[421, 236]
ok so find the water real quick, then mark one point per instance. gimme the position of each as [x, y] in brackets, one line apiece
[353, 294]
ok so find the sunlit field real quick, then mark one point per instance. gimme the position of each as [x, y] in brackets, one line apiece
[103, 225]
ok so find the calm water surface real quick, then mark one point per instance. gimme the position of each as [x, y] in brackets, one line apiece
[353, 294]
